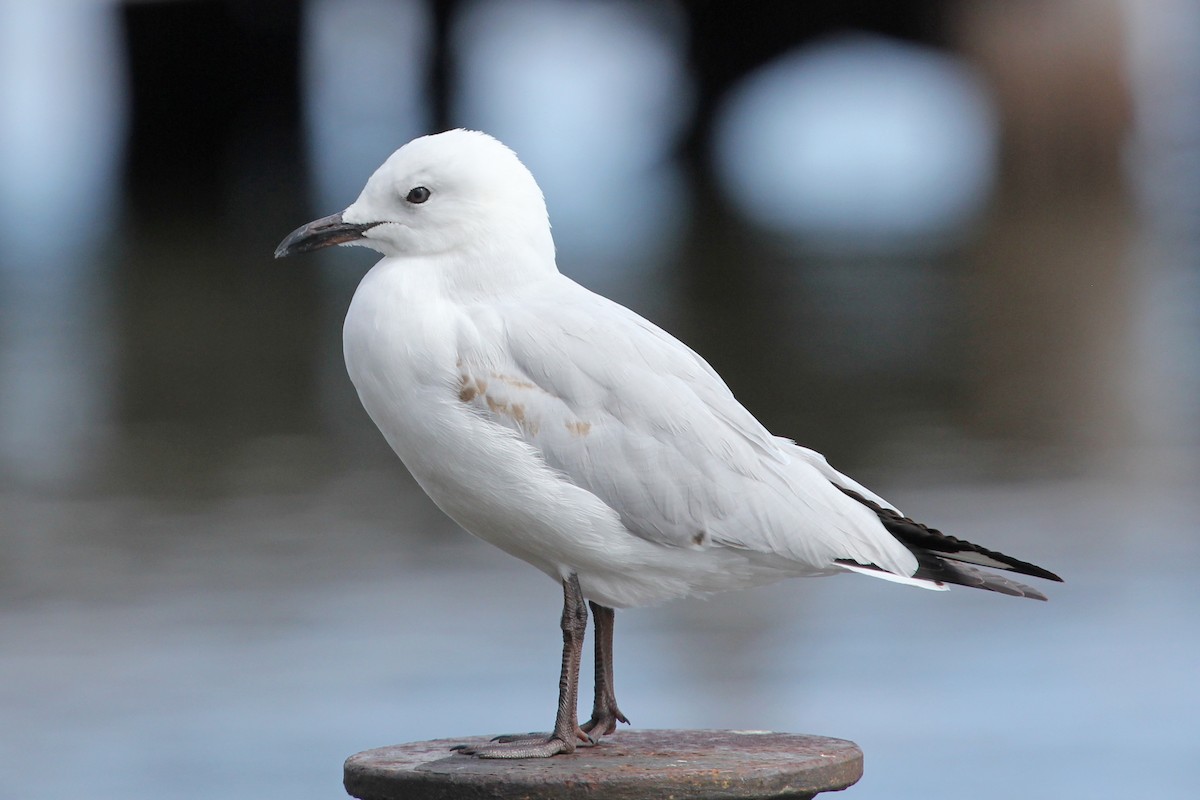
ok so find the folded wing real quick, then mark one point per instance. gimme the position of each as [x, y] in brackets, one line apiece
[654, 432]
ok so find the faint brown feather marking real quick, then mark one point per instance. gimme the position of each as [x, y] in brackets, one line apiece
[514, 411]
[518, 383]
[579, 427]
[517, 412]
[470, 388]
[466, 389]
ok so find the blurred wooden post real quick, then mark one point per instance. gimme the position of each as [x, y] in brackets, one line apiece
[629, 765]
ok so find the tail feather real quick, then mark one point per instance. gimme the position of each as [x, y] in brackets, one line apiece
[934, 573]
[948, 559]
[939, 569]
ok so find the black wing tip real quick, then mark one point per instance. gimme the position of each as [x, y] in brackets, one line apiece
[1020, 567]
[919, 537]
[1050, 576]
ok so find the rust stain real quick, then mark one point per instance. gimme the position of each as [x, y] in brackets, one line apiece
[579, 427]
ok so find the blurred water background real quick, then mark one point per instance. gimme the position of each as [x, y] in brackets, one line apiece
[954, 246]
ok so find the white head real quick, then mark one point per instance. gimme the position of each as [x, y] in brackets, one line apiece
[454, 192]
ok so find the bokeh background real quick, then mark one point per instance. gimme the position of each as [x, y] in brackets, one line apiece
[953, 245]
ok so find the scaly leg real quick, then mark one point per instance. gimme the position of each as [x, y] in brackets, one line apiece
[605, 713]
[566, 725]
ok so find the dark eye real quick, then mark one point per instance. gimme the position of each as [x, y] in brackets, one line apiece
[417, 195]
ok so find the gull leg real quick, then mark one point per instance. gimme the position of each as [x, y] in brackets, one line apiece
[605, 713]
[566, 725]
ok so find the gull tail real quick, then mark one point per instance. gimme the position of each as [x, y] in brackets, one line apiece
[946, 559]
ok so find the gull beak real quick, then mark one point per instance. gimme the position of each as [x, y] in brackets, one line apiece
[320, 233]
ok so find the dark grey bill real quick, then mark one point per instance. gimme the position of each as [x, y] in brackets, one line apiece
[319, 233]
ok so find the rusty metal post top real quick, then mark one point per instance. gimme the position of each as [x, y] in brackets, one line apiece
[629, 765]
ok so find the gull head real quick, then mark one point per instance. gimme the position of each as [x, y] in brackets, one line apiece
[455, 192]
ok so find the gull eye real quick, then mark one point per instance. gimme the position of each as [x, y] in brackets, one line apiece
[418, 195]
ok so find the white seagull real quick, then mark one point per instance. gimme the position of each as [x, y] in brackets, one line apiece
[572, 433]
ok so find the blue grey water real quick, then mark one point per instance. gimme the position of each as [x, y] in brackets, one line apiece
[275, 633]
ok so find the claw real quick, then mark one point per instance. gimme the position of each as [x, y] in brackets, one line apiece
[532, 736]
[605, 723]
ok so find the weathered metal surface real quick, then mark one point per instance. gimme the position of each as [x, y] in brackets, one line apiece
[629, 765]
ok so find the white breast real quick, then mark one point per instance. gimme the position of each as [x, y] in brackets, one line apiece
[401, 348]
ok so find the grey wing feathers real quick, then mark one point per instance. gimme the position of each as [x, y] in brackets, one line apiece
[670, 448]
